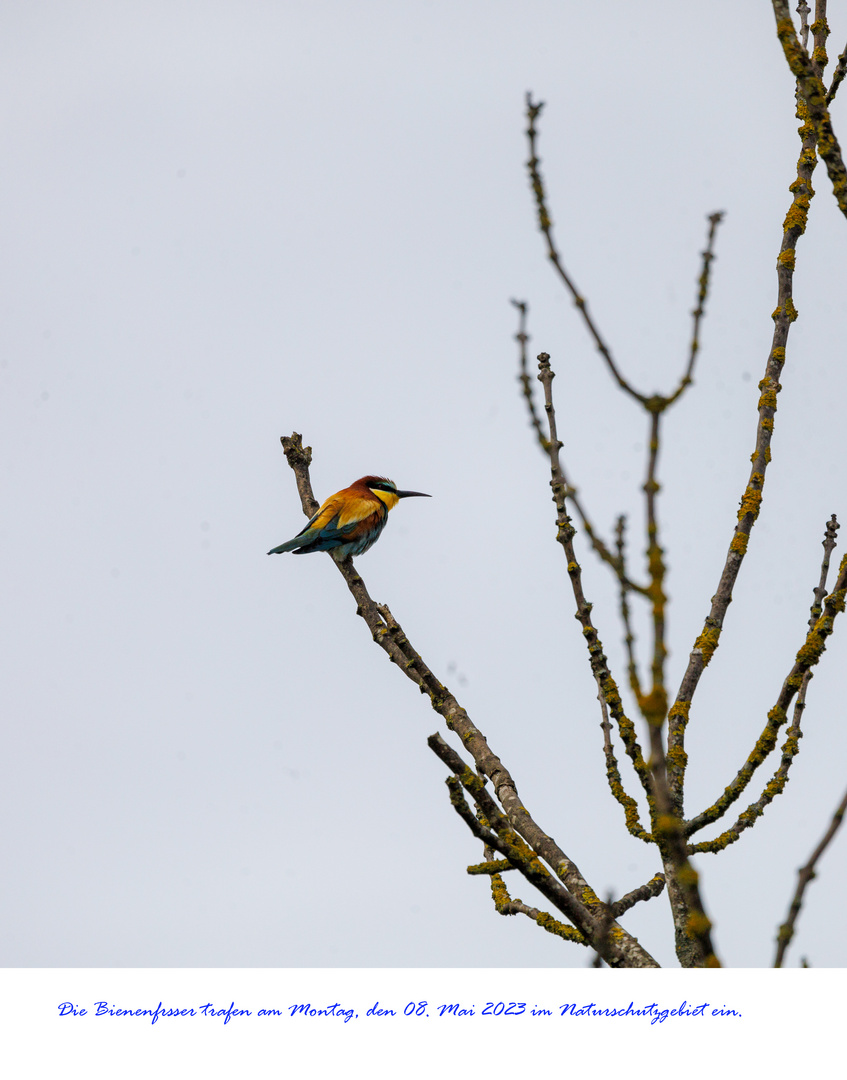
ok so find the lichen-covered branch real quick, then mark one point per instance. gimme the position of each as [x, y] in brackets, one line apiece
[564, 535]
[654, 706]
[587, 912]
[505, 905]
[613, 776]
[814, 95]
[708, 640]
[693, 928]
[837, 76]
[807, 657]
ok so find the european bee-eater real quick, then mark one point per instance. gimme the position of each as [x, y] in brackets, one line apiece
[351, 520]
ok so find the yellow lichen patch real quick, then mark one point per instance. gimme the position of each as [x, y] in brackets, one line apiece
[553, 926]
[590, 898]
[739, 542]
[500, 895]
[707, 642]
[698, 924]
[810, 653]
[770, 388]
[794, 219]
[786, 258]
[750, 503]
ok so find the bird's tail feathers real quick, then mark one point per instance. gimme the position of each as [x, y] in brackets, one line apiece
[289, 545]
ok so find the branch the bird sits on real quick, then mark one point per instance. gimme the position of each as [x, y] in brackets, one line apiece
[351, 520]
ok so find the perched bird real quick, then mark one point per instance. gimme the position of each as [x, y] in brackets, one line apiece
[351, 520]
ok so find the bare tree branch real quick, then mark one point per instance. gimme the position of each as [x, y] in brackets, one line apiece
[698, 312]
[654, 887]
[805, 875]
[565, 533]
[619, 949]
[525, 379]
[613, 776]
[599, 546]
[693, 928]
[545, 223]
[709, 639]
[505, 905]
[807, 657]
[820, 28]
[803, 10]
[814, 96]
[837, 76]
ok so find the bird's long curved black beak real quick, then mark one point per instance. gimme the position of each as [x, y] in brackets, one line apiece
[408, 494]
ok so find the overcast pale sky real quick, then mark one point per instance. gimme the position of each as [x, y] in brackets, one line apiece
[224, 222]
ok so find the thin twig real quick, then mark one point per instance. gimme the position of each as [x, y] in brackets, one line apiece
[803, 10]
[565, 533]
[525, 379]
[505, 905]
[774, 787]
[837, 76]
[613, 776]
[829, 543]
[629, 636]
[545, 224]
[491, 866]
[804, 876]
[654, 706]
[651, 402]
[698, 312]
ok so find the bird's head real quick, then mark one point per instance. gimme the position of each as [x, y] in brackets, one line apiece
[386, 490]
